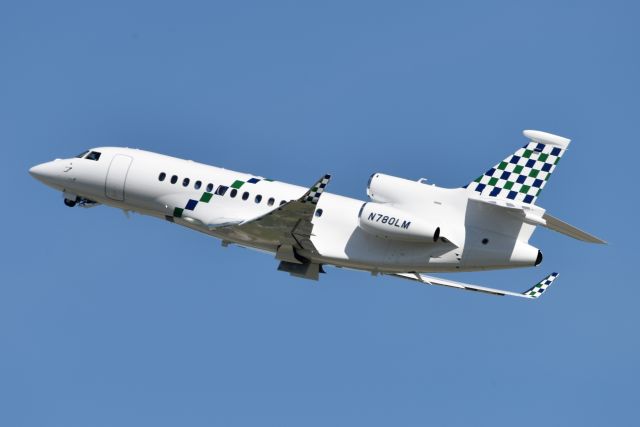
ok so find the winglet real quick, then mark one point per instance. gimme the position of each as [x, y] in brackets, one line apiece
[313, 195]
[540, 287]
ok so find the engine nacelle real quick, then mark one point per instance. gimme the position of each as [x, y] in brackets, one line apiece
[391, 189]
[392, 223]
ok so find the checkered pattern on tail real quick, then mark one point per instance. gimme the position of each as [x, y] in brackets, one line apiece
[542, 286]
[521, 176]
[313, 195]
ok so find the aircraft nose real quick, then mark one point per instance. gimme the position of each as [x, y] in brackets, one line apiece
[43, 172]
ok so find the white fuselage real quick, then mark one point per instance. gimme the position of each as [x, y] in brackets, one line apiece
[474, 235]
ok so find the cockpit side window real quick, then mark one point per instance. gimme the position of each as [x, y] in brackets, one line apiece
[81, 155]
[94, 155]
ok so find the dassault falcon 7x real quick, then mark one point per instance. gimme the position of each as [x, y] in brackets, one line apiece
[407, 228]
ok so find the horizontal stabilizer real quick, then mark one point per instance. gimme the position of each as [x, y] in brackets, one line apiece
[534, 215]
[569, 230]
[532, 293]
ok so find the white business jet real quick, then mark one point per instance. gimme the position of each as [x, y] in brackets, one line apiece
[407, 228]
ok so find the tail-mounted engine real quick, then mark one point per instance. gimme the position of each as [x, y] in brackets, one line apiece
[391, 189]
[391, 215]
[392, 223]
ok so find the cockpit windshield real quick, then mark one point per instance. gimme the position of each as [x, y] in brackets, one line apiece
[89, 155]
[94, 155]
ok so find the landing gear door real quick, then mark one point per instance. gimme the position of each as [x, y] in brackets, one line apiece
[117, 177]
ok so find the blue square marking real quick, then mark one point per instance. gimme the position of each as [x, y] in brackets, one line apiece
[495, 191]
[530, 163]
[512, 195]
[555, 151]
[514, 159]
[539, 147]
[191, 205]
[490, 172]
[546, 167]
[521, 179]
[528, 198]
[505, 175]
[480, 187]
[538, 183]
[253, 181]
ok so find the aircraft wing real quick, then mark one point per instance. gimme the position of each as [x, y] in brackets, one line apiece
[532, 293]
[288, 225]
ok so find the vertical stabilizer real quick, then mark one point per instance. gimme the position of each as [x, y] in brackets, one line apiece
[522, 176]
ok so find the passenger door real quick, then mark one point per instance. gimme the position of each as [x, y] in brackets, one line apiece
[117, 177]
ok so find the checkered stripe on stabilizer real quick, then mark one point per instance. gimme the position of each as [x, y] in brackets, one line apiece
[542, 286]
[522, 176]
[313, 195]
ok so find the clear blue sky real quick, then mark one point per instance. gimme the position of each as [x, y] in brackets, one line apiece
[106, 321]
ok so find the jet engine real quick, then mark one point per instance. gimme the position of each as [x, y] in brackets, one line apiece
[389, 222]
[390, 189]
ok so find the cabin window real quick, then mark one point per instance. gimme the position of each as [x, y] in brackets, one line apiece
[271, 201]
[174, 179]
[185, 182]
[197, 185]
[94, 155]
[81, 155]
[221, 190]
[258, 198]
[245, 195]
[162, 176]
[233, 193]
[209, 187]
[318, 213]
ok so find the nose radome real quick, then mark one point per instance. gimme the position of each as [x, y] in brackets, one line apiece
[36, 171]
[43, 171]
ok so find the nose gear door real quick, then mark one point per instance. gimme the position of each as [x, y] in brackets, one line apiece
[117, 176]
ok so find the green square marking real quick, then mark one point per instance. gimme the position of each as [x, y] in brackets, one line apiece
[502, 166]
[493, 181]
[268, 179]
[557, 160]
[508, 185]
[518, 169]
[527, 153]
[206, 197]
[177, 212]
[543, 157]
[534, 173]
[525, 189]
[237, 184]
